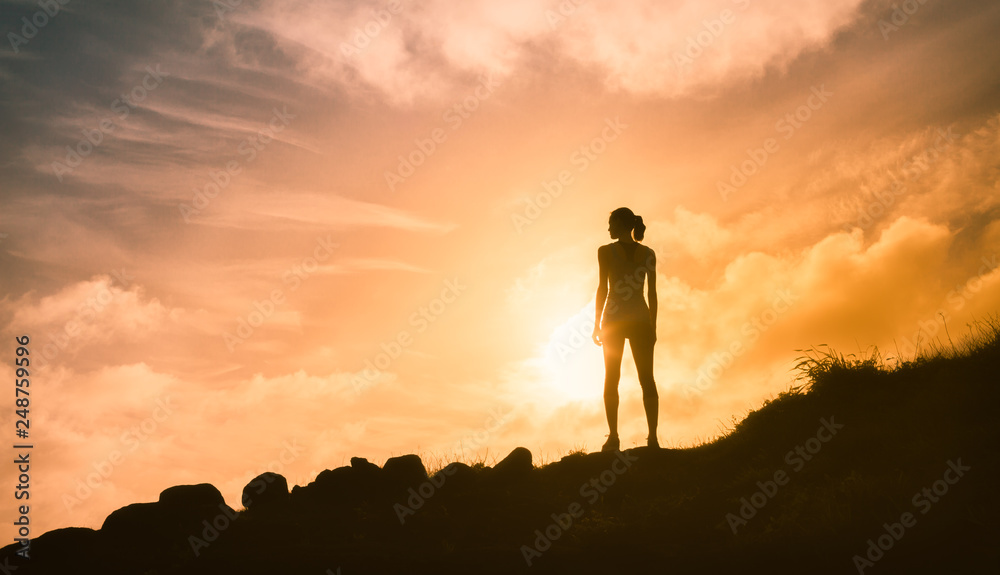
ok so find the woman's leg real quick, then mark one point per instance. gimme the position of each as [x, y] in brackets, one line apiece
[642, 353]
[614, 347]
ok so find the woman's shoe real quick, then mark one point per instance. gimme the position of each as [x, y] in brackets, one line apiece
[611, 444]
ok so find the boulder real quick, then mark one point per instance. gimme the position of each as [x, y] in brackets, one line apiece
[73, 541]
[267, 491]
[517, 465]
[369, 477]
[142, 533]
[59, 551]
[155, 528]
[135, 521]
[405, 470]
[454, 477]
[184, 506]
[336, 482]
[338, 488]
[365, 467]
[198, 497]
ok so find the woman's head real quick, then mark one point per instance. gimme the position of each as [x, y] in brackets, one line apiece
[623, 222]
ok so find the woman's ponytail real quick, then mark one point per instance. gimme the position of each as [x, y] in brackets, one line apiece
[639, 230]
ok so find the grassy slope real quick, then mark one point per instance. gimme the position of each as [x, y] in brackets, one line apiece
[900, 428]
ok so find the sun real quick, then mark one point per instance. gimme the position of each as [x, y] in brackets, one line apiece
[571, 365]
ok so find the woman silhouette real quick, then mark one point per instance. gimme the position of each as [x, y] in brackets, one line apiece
[624, 266]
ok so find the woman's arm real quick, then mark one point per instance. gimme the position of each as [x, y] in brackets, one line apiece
[651, 275]
[602, 295]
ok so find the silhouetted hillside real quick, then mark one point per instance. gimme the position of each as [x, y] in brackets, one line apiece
[864, 468]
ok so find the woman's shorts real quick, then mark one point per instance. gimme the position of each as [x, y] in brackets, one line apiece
[633, 330]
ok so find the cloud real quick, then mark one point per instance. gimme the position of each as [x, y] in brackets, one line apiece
[697, 235]
[940, 173]
[650, 48]
[374, 264]
[679, 48]
[290, 211]
[97, 310]
[524, 287]
[418, 50]
[267, 271]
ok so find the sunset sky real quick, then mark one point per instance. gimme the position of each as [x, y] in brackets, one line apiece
[252, 235]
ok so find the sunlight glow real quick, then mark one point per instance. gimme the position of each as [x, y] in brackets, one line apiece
[572, 364]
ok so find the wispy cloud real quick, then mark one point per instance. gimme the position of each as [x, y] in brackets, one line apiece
[383, 265]
[288, 211]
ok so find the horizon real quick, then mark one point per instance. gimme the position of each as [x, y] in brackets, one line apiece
[287, 234]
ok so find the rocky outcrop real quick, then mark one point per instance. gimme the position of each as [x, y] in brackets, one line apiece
[266, 492]
[186, 523]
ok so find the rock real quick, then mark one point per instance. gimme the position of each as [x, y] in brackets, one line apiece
[517, 465]
[11, 560]
[143, 534]
[341, 480]
[71, 540]
[454, 477]
[335, 489]
[148, 531]
[267, 491]
[338, 475]
[64, 551]
[405, 470]
[369, 477]
[138, 520]
[458, 469]
[343, 486]
[365, 467]
[202, 495]
[187, 505]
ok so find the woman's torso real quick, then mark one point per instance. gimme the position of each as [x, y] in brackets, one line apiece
[627, 265]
